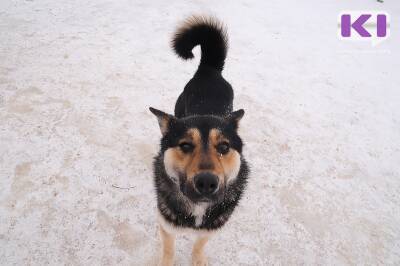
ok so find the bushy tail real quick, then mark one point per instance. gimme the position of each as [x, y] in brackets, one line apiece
[207, 32]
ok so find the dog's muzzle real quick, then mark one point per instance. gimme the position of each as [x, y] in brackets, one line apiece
[206, 184]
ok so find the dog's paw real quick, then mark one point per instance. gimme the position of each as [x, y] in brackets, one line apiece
[199, 260]
[165, 263]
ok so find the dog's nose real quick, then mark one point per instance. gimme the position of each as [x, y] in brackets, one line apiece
[206, 183]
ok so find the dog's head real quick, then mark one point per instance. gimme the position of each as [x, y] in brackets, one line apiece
[201, 153]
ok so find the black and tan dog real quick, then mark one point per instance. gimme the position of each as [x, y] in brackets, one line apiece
[200, 172]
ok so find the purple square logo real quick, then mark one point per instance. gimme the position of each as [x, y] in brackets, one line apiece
[370, 26]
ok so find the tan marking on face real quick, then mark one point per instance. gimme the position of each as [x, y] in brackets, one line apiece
[177, 162]
[226, 166]
[229, 163]
[199, 159]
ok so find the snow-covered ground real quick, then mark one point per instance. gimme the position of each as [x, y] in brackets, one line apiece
[322, 132]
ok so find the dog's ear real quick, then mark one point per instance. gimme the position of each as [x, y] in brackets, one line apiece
[164, 119]
[234, 118]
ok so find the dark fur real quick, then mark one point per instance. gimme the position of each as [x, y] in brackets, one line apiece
[176, 209]
[205, 103]
[207, 92]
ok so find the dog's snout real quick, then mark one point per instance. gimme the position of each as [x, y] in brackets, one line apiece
[206, 183]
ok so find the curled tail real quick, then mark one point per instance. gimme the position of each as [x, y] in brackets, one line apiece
[207, 32]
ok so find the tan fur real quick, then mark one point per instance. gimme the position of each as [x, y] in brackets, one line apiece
[230, 162]
[168, 248]
[201, 159]
[225, 166]
[198, 256]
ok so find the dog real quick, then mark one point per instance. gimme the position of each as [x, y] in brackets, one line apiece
[200, 173]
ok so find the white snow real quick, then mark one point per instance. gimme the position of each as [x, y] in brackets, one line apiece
[322, 132]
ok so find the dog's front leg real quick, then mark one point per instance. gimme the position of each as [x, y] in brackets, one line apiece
[168, 248]
[198, 256]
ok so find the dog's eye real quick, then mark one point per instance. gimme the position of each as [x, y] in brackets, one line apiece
[186, 147]
[223, 148]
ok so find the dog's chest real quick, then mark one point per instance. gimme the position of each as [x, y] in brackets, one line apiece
[198, 212]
